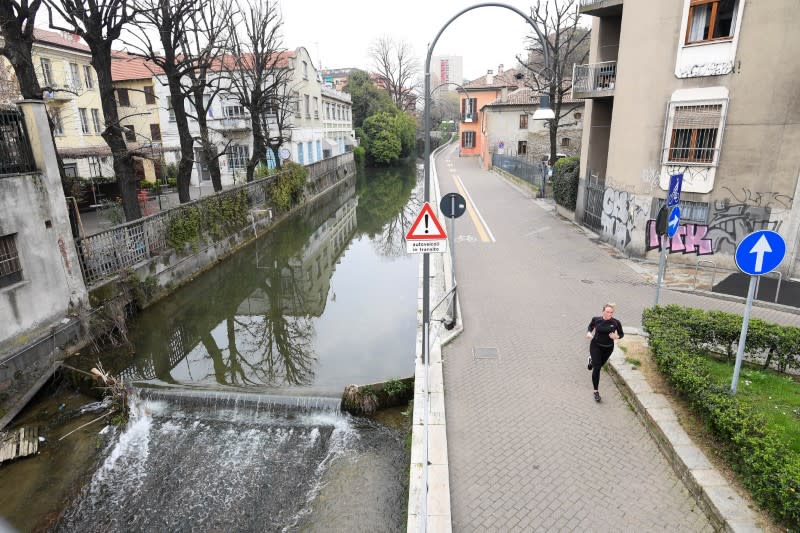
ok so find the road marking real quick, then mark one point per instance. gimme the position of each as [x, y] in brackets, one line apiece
[534, 232]
[475, 215]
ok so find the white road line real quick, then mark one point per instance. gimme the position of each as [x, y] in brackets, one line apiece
[475, 206]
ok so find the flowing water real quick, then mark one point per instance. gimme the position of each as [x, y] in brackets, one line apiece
[238, 377]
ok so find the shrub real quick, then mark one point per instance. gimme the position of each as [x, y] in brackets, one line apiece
[565, 181]
[766, 465]
[359, 154]
[288, 187]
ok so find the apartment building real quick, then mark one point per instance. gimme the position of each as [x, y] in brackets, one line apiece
[703, 88]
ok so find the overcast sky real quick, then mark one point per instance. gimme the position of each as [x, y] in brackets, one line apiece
[338, 34]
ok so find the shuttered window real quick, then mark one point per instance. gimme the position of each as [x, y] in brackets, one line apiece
[695, 129]
[10, 267]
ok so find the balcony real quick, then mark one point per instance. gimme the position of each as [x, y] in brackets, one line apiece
[59, 93]
[596, 80]
[234, 123]
[601, 8]
[469, 117]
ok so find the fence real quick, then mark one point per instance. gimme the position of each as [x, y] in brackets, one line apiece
[523, 168]
[105, 254]
[593, 209]
[15, 148]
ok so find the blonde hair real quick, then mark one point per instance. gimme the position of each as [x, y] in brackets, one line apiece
[612, 305]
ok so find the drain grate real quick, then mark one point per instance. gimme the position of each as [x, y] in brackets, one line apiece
[484, 353]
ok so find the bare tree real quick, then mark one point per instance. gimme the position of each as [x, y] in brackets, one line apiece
[99, 23]
[169, 19]
[16, 27]
[8, 85]
[567, 43]
[204, 44]
[398, 69]
[257, 71]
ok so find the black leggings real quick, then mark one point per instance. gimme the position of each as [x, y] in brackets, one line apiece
[600, 355]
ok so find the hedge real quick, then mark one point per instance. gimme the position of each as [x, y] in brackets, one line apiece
[678, 338]
[565, 181]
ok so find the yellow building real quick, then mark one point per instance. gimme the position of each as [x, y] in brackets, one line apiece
[63, 64]
[137, 106]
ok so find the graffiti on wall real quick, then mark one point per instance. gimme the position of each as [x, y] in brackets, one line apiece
[689, 239]
[773, 200]
[619, 217]
[730, 223]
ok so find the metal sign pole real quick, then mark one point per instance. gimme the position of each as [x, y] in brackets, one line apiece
[662, 261]
[743, 337]
[453, 254]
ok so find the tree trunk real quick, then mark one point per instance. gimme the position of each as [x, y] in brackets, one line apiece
[187, 142]
[112, 134]
[209, 150]
[259, 147]
[19, 55]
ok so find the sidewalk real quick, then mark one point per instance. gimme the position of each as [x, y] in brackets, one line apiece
[99, 219]
[528, 447]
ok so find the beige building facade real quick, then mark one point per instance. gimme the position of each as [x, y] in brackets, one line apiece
[703, 88]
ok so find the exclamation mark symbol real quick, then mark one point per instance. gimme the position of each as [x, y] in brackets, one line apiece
[426, 223]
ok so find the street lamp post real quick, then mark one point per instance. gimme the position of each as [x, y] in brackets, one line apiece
[426, 266]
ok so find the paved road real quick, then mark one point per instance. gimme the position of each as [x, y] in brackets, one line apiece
[529, 448]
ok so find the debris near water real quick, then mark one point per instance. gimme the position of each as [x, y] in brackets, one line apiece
[20, 443]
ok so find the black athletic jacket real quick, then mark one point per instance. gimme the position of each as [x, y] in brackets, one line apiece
[602, 328]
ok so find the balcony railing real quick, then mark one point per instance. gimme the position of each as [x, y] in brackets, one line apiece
[594, 80]
[469, 117]
[235, 123]
[601, 8]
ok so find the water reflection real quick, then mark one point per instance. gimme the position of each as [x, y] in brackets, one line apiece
[269, 317]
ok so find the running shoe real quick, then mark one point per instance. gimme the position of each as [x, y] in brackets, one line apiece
[596, 396]
[589, 366]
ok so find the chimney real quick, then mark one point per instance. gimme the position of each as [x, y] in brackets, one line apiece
[489, 77]
[500, 69]
[503, 94]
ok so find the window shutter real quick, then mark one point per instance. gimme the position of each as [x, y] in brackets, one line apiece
[697, 117]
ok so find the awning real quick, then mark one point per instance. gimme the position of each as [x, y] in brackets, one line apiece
[349, 141]
[328, 144]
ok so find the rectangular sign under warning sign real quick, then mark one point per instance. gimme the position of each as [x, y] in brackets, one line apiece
[426, 247]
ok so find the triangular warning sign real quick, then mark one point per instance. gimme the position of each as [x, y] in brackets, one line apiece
[426, 227]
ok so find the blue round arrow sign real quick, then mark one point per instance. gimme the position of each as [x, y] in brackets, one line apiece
[760, 252]
[673, 221]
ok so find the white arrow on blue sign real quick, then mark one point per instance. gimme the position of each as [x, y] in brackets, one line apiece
[675, 184]
[760, 252]
[673, 221]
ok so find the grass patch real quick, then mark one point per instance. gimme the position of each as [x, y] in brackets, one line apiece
[633, 361]
[775, 396]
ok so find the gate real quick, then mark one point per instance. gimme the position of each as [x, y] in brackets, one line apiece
[593, 210]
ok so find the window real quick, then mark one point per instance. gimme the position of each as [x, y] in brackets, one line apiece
[58, 125]
[155, 132]
[522, 147]
[310, 152]
[693, 138]
[300, 158]
[149, 95]
[10, 267]
[316, 107]
[88, 76]
[468, 139]
[74, 77]
[469, 109]
[305, 70]
[238, 155]
[170, 112]
[98, 125]
[577, 116]
[695, 212]
[710, 20]
[307, 108]
[565, 142]
[123, 98]
[523, 121]
[47, 72]
[130, 133]
[234, 111]
[296, 104]
[84, 119]
[319, 150]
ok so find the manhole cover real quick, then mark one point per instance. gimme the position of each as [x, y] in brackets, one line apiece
[484, 353]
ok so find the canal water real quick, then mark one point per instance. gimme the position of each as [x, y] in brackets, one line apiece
[238, 375]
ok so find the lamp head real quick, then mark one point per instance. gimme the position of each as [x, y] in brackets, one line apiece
[544, 112]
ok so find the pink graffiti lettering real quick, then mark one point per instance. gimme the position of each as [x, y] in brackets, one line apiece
[689, 239]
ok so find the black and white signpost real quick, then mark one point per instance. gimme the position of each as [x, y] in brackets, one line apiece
[453, 206]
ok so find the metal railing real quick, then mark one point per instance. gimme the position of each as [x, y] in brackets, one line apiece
[469, 117]
[585, 3]
[15, 147]
[235, 123]
[522, 167]
[706, 157]
[106, 254]
[594, 79]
